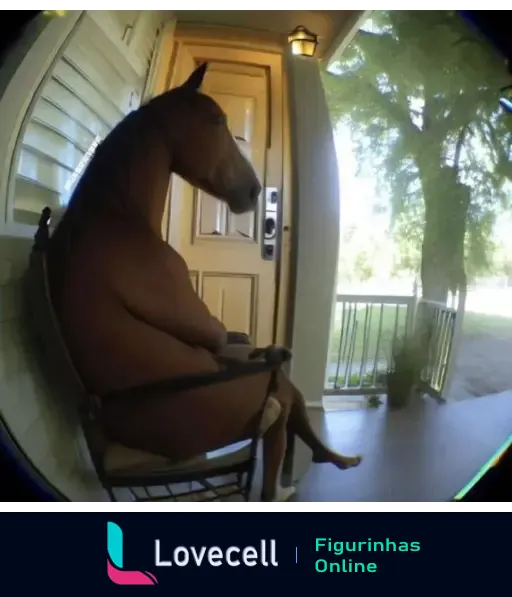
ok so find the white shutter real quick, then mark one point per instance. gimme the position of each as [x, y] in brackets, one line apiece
[126, 20]
[90, 88]
[145, 32]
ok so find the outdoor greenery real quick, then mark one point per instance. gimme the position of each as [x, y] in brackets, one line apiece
[387, 327]
[419, 91]
[353, 380]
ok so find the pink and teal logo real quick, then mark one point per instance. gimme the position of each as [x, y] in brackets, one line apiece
[115, 569]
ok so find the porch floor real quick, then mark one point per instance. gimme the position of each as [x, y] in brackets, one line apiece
[427, 452]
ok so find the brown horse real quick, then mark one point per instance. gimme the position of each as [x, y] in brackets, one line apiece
[124, 298]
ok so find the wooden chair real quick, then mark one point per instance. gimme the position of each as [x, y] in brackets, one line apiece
[208, 477]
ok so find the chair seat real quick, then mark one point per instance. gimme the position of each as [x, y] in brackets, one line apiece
[121, 461]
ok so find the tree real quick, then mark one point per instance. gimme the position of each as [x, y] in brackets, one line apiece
[419, 90]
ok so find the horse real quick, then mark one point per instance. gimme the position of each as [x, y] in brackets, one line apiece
[125, 302]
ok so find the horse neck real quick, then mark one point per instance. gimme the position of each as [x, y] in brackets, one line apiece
[127, 180]
[128, 177]
[142, 171]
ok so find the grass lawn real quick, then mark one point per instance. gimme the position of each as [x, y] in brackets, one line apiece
[495, 325]
[355, 348]
[377, 318]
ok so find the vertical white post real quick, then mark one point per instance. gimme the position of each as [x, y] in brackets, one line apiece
[316, 228]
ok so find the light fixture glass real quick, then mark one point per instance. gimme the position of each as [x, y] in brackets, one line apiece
[303, 42]
[55, 13]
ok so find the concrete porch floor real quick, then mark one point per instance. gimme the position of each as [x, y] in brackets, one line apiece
[427, 452]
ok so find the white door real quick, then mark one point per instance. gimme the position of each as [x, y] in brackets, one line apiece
[223, 251]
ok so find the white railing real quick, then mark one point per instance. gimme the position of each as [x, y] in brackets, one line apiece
[442, 324]
[365, 329]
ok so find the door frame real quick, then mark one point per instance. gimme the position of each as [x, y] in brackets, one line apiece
[258, 49]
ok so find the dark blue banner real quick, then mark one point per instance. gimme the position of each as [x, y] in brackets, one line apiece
[80, 553]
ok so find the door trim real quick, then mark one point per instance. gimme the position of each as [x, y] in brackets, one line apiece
[232, 37]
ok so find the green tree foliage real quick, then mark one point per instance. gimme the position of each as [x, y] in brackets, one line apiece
[419, 90]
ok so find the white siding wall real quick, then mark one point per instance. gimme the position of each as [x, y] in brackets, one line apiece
[47, 432]
[87, 88]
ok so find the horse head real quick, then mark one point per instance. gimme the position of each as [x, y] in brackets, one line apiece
[203, 150]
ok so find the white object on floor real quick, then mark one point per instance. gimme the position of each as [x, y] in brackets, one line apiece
[283, 494]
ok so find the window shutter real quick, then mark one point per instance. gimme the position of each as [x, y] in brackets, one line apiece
[88, 90]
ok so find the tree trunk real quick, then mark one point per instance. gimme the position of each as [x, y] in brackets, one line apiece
[435, 278]
[434, 281]
[442, 256]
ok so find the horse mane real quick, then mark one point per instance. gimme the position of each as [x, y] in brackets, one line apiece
[119, 144]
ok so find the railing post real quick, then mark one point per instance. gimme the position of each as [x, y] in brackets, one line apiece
[455, 343]
[410, 324]
[444, 323]
[366, 322]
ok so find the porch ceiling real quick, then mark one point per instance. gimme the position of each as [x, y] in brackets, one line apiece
[332, 26]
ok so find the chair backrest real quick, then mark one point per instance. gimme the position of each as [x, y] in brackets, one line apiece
[55, 360]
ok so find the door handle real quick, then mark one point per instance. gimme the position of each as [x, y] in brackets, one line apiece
[270, 224]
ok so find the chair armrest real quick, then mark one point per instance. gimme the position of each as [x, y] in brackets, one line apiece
[238, 338]
[262, 360]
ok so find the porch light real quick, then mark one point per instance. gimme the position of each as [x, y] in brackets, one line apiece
[303, 42]
[55, 13]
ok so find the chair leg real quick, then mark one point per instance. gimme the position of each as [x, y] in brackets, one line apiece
[111, 494]
[287, 470]
[170, 492]
[210, 487]
[134, 494]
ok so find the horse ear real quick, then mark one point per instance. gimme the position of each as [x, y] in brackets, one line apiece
[193, 83]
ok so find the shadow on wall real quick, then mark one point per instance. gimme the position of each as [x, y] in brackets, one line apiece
[47, 431]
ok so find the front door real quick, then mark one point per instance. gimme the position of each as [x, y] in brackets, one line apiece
[230, 264]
